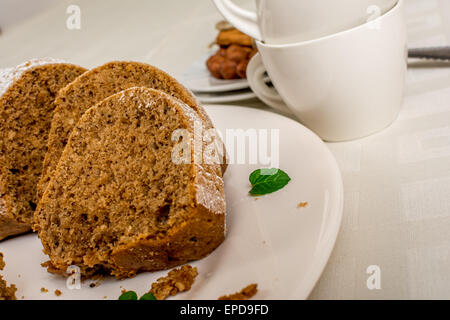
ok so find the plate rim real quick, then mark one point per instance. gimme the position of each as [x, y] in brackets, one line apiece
[319, 264]
[220, 99]
[240, 84]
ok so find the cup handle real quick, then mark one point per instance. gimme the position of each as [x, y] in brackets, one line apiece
[244, 20]
[255, 77]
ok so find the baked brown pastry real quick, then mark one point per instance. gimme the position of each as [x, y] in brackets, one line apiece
[27, 95]
[118, 202]
[6, 292]
[233, 36]
[231, 60]
[98, 84]
[178, 280]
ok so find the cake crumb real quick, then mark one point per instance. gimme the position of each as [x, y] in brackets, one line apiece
[44, 290]
[2, 263]
[6, 292]
[177, 280]
[245, 294]
[302, 205]
[58, 292]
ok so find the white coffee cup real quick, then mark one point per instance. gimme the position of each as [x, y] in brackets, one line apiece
[290, 21]
[343, 86]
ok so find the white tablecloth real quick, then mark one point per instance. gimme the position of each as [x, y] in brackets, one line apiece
[397, 182]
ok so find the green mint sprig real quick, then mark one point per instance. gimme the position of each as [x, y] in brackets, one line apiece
[148, 296]
[265, 181]
[131, 295]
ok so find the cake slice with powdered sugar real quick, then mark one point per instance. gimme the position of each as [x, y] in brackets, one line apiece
[120, 202]
[27, 95]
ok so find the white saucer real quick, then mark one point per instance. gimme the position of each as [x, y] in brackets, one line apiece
[225, 97]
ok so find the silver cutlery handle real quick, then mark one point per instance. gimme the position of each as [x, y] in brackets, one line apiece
[435, 53]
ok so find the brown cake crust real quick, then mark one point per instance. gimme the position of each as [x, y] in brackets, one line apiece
[9, 226]
[160, 254]
[117, 204]
[98, 84]
[27, 95]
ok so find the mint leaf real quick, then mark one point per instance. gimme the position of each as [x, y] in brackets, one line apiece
[148, 296]
[129, 295]
[265, 181]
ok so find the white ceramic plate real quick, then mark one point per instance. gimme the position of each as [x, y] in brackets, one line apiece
[225, 97]
[270, 241]
[198, 79]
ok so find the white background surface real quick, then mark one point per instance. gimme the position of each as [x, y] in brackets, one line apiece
[13, 12]
[397, 183]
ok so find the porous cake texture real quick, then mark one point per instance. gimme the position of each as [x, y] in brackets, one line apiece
[27, 95]
[95, 86]
[117, 202]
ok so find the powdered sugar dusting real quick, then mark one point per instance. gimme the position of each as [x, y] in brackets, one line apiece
[6, 78]
[209, 185]
[9, 75]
